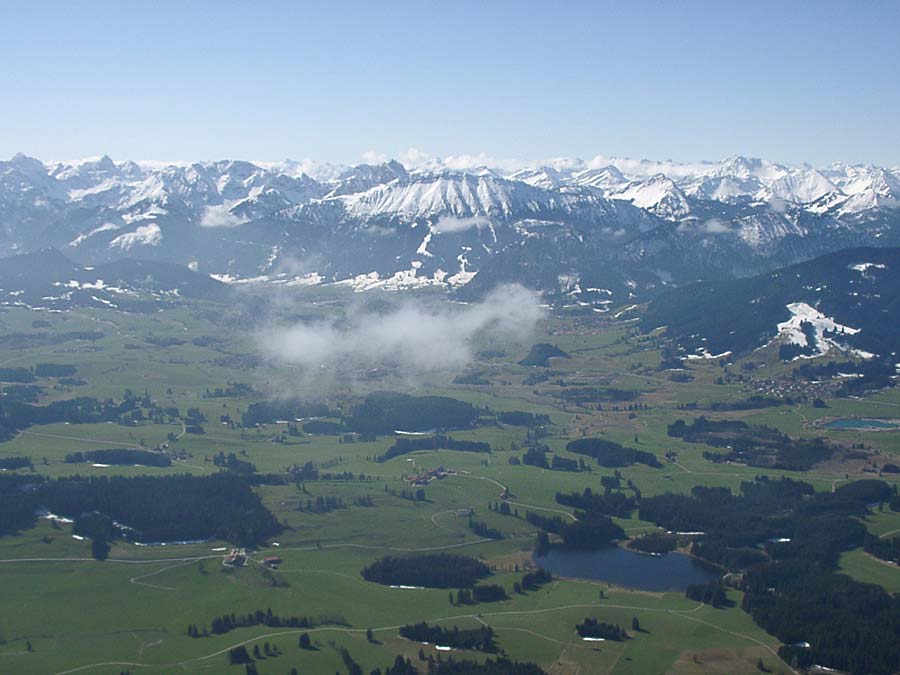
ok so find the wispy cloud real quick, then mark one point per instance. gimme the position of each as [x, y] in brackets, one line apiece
[716, 226]
[219, 216]
[415, 336]
[448, 224]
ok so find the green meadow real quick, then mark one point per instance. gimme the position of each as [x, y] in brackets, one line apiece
[61, 611]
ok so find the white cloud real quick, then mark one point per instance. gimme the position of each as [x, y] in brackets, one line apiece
[777, 204]
[448, 224]
[711, 226]
[219, 216]
[414, 158]
[372, 157]
[415, 336]
[715, 226]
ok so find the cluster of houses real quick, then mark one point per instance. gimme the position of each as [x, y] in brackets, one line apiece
[427, 475]
[238, 557]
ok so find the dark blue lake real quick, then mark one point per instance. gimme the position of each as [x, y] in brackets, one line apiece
[861, 424]
[623, 567]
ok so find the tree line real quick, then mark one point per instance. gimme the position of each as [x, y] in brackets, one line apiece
[612, 503]
[591, 628]
[755, 445]
[164, 508]
[228, 622]
[610, 453]
[404, 445]
[481, 638]
[590, 531]
[439, 570]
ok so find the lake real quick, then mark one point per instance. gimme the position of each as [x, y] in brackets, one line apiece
[860, 424]
[624, 567]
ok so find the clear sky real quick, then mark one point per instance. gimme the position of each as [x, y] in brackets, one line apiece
[791, 81]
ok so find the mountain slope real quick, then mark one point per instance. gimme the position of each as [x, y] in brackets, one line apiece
[48, 279]
[849, 299]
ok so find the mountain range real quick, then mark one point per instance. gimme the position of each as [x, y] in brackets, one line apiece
[595, 233]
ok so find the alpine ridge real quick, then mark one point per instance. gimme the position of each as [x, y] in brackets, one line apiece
[622, 227]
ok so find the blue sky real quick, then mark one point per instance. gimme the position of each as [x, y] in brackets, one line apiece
[796, 81]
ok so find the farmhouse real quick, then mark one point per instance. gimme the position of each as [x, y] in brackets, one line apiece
[427, 476]
[237, 558]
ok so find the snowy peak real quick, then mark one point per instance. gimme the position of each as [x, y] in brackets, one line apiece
[659, 195]
[802, 186]
[544, 177]
[751, 167]
[605, 179]
[460, 195]
[366, 176]
[27, 164]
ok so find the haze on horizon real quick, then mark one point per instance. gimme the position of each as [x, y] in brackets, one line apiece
[809, 82]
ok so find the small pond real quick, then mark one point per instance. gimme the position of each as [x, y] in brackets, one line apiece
[853, 423]
[624, 567]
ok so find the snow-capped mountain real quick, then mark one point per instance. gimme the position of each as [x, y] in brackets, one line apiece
[658, 194]
[634, 225]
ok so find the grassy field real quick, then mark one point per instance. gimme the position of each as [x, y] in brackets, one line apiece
[864, 567]
[131, 612]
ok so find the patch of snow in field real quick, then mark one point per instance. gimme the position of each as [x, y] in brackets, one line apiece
[104, 301]
[228, 279]
[400, 280]
[623, 311]
[52, 516]
[145, 235]
[310, 279]
[703, 354]
[423, 247]
[464, 275]
[150, 213]
[865, 267]
[103, 228]
[792, 332]
[361, 282]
